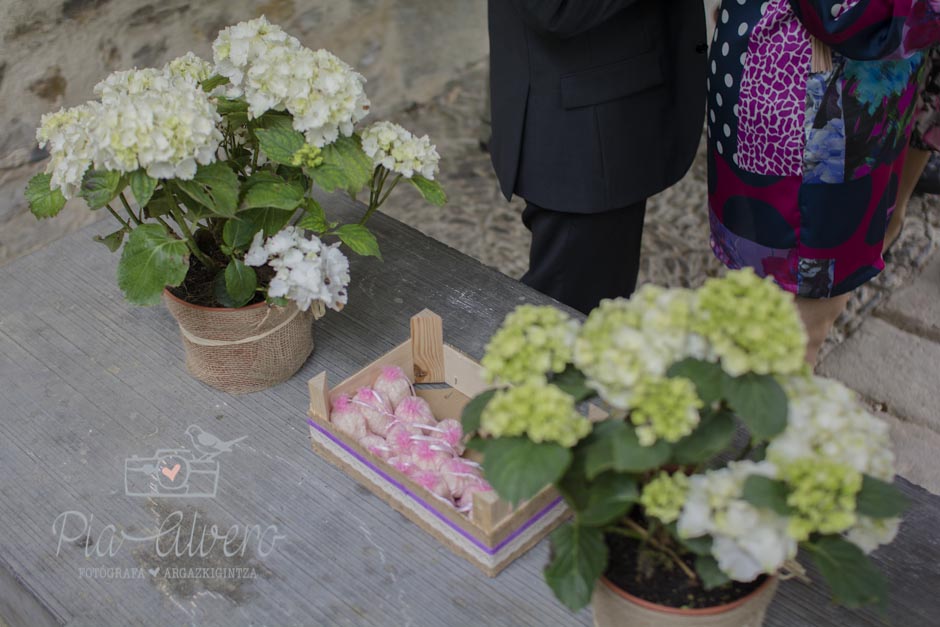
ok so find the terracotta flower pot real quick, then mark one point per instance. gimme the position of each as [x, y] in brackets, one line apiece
[614, 607]
[245, 349]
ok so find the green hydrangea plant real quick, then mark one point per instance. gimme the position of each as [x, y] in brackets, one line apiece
[720, 451]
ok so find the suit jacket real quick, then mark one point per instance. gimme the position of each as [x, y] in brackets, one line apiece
[596, 104]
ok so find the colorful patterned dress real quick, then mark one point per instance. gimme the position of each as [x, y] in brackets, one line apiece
[804, 166]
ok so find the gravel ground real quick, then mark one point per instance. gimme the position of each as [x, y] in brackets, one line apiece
[479, 222]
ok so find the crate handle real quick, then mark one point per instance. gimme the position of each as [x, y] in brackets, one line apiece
[427, 347]
[319, 397]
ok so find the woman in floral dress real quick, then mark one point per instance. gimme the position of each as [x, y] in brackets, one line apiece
[809, 114]
[925, 141]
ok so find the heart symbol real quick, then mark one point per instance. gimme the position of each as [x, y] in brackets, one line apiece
[171, 474]
[153, 571]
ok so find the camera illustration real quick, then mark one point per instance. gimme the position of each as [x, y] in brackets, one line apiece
[171, 473]
[179, 472]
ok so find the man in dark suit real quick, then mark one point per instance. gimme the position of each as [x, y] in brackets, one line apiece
[596, 106]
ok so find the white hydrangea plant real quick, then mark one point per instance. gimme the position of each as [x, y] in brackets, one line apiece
[219, 157]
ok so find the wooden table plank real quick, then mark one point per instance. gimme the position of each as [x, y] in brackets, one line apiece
[89, 381]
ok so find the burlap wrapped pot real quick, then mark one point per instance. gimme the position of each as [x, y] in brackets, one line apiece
[246, 349]
[614, 607]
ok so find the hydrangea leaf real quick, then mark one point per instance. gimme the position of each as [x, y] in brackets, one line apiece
[700, 546]
[216, 80]
[215, 187]
[161, 205]
[359, 239]
[240, 282]
[573, 382]
[478, 444]
[142, 186]
[263, 189]
[279, 142]
[519, 468]
[572, 483]
[608, 498]
[580, 556]
[713, 435]
[328, 177]
[44, 202]
[238, 233]
[879, 499]
[345, 166]
[430, 190]
[152, 260]
[759, 401]
[270, 219]
[314, 218]
[852, 578]
[221, 293]
[620, 450]
[768, 493]
[113, 240]
[470, 418]
[99, 187]
[706, 376]
[227, 106]
[706, 567]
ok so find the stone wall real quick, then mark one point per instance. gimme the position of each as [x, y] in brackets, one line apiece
[52, 52]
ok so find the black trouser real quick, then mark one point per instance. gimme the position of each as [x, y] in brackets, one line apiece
[582, 258]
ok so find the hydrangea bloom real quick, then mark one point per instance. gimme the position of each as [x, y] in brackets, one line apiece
[664, 409]
[614, 354]
[827, 421]
[273, 71]
[167, 129]
[67, 135]
[398, 150]
[751, 324]
[746, 541]
[308, 271]
[822, 494]
[829, 442]
[156, 119]
[624, 341]
[190, 66]
[531, 342]
[542, 412]
[666, 316]
[870, 533]
[664, 496]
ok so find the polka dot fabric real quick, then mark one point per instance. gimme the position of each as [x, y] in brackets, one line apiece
[803, 166]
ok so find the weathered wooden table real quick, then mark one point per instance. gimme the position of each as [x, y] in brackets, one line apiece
[89, 382]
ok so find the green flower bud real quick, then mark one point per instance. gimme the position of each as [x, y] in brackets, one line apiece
[540, 411]
[664, 409]
[307, 156]
[751, 324]
[664, 496]
[823, 493]
[531, 342]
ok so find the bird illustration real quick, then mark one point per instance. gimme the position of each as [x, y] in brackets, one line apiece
[208, 445]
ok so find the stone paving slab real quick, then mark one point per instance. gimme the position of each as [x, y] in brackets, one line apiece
[917, 448]
[916, 306]
[896, 370]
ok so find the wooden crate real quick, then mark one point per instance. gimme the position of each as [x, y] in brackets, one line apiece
[495, 533]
